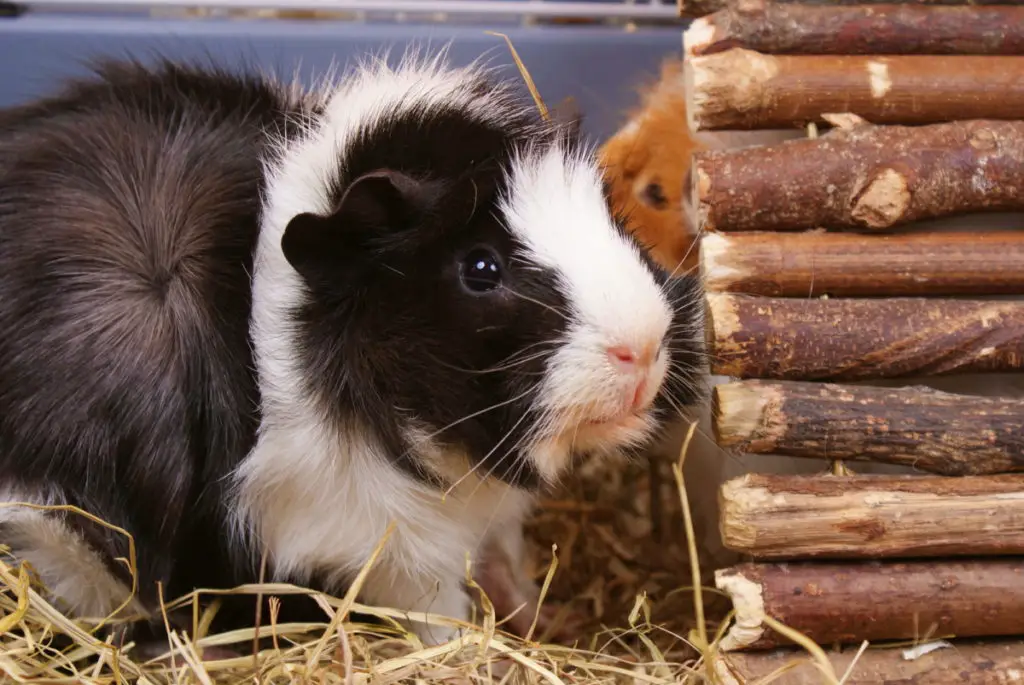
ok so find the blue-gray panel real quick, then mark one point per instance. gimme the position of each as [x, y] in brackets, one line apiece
[599, 66]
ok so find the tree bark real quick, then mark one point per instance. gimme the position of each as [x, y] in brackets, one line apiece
[847, 603]
[741, 89]
[700, 8]
[963, 662]
[937, 432]
[800, 29]
[866, 517]
[868, 178]
[861, 339]
[811, 263]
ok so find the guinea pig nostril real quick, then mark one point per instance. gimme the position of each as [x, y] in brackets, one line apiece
[622, 354]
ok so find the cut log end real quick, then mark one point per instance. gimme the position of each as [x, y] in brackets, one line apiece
[690, 88]
[725, 86]
[722, 320]
[720, 272]
[747, 599]
[697, 212]
[699, 35]
[736, 498]
[742, 413]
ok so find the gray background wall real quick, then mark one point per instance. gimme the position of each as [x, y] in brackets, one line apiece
[599, 66]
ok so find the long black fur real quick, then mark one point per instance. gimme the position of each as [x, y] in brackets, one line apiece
[129, 212]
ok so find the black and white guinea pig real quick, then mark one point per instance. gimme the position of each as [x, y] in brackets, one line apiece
[243, 320]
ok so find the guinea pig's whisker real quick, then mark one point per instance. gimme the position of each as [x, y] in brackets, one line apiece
[705, 356]
[693, 245]
[536, 302]
[675, 404]
[526, 349]
[476, 466]
[680, 409]
[575, 434]
[524, 438]
[476, 199]
[501, 460]
[687, 329]
[529, 437]
[689, 382]
[505, 367]
[515, 364]
[511, 450]
[407, 454]
[549, 424]
[494, 512]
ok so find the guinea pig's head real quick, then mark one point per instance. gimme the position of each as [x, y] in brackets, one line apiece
[647, 164]
[467, 294]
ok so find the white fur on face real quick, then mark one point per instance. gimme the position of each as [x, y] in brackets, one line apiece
[317, 496]
[556, 207]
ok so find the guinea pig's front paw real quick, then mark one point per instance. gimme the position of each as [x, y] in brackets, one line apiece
[433, 634]
[449, 603]
[562, 625]
[515, 598]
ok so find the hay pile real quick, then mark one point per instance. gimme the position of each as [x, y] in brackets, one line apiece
[621, 563]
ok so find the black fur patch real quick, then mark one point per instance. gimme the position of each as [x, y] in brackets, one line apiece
[390, 334]
[129, 208]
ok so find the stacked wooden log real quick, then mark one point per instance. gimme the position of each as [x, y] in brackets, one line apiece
[823, 287]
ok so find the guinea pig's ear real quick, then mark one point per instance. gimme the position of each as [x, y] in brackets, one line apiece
[373, 205]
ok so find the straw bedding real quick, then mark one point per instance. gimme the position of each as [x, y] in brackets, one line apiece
[622, 566]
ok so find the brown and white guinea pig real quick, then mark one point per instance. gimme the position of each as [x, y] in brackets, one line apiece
[647, 162]
[240, 320]
[647, 165]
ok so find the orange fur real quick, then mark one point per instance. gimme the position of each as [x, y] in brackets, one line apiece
[652, 151]
[647, 166]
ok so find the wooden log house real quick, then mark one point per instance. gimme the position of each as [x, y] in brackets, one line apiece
[823, 293]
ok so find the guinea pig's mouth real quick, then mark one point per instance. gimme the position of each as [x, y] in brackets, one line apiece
[612, 421]
[611, 431]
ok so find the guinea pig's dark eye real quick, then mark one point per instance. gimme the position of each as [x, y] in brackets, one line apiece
[654, 195]
[481, 270]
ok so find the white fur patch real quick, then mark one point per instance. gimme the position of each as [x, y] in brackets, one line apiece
[75, 578]
[316, 496]
[556, 207]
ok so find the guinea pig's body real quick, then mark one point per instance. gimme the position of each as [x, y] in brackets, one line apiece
[244, 321]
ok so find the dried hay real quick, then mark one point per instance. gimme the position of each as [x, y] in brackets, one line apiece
[618, 560]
